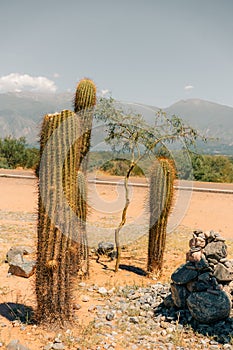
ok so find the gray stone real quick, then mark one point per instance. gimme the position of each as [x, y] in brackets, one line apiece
[134, 320]
[216, 250]
[110, 316]
[102, 291]
[17, 250]
[25, 269]
[223, 274]
[106, 248]
[15, 345]
[183, 275]
[48, 347]
[204, 277]
[206, 307]
[227, 347]
[58, 346]
[168, 301]
[85, 298]
[179, 295]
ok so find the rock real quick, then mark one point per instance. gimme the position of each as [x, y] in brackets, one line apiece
[16, 259]
[85, 298]
[168, 301]
[110, 316]
[215, 250]
[102, 291]
[179, 295]
[206, 307]
[58, 346]
[223, 274]
[18, 250]
[194, 255]
[25, 269]
[106, 248]
[15, 345]
[183, 275]
[134, 320]
[200, 242]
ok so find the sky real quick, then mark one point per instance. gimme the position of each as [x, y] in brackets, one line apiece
[154, 52]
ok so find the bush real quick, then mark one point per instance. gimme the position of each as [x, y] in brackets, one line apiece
[15, 153]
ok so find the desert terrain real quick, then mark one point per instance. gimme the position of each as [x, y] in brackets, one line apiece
[18, 220]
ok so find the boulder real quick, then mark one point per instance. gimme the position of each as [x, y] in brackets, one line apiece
[179, 295]
[216, 250]
[24, 269]
[184, 274]
[210, 306]
[17, 251]
[222, 273]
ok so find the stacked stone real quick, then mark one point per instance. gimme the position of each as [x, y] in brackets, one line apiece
[203, 284]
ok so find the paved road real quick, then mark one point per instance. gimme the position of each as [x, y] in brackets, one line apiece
[139, 182]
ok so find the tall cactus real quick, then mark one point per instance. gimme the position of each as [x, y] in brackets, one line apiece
[160, 203]
[62, 248]
[84, 102]
[57, 219]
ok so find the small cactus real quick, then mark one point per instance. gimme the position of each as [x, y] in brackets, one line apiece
[160, 204]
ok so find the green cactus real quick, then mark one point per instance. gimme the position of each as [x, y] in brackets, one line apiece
[57, 220]
[62, 248]
[160, 204]
[80, 258]
[84, 103]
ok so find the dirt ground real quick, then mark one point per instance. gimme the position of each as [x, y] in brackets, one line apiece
[18, 216]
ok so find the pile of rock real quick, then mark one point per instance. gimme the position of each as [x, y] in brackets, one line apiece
[204, 283]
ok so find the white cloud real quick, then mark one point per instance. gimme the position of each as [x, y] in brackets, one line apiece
[56, 75]
[188, 87]
[18, 82]
[104, 92]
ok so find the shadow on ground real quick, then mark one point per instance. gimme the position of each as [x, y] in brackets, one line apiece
[221, 331]
[134, 269]
[15, 311]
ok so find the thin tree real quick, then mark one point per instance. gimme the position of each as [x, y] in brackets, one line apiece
[128, 132]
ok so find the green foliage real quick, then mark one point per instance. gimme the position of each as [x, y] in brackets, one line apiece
[208, 168]
[212, 168]
[15, 153]
[128, 132]
[160, 203]
[119, 167]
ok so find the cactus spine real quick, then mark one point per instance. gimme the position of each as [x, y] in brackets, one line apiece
[160, 203]
[56, 216]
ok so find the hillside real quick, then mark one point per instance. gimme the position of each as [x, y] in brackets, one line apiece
[213, 119]
[21, 115]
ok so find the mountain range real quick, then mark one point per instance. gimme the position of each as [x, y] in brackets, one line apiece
[21, 114]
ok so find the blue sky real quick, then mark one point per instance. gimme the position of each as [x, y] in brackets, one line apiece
[154, 52]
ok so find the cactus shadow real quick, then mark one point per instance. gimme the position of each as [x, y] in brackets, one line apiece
[17, 312]
[134, 269]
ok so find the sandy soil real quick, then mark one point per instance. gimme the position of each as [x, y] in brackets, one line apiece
[18, 207]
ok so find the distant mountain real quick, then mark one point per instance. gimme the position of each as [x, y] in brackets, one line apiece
[21, 114]
[213, 119]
